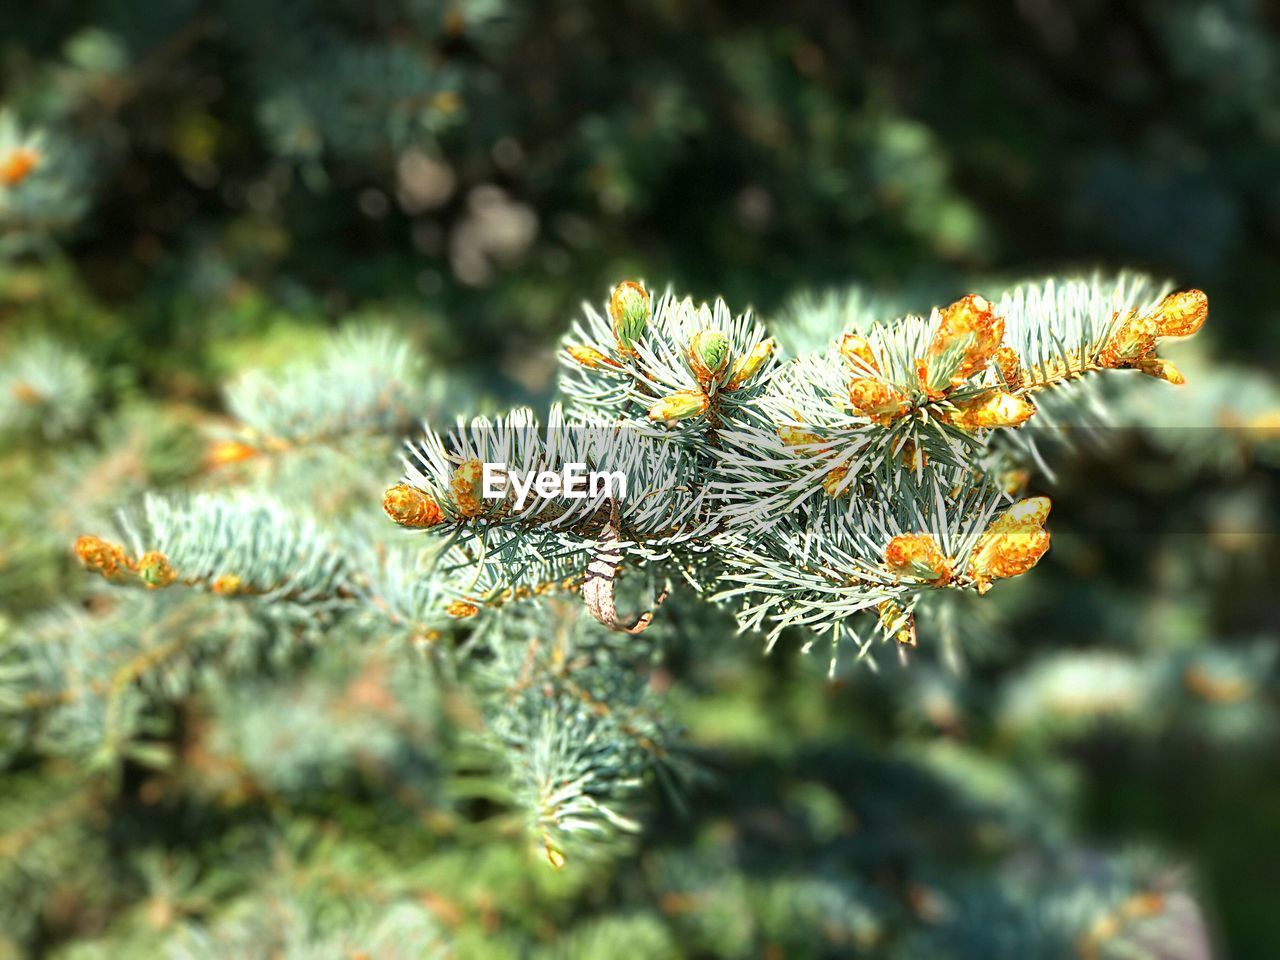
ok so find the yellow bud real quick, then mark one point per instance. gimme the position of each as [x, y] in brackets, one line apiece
[747, 367]
[833, 480]
[630, 308]
[969, 334]
[154, 570]
[466, 488]
[877, 400]
[708, 355]
[857, 353]
[679, 406]
[226, 452]
[589, 357]
[461, 609]
[989, 410]
[913, 456]
[410, 507]
[17, 165]
[917, 555]
[1161, 369]
[227, 585]
[794, 436]
[1181, 314]
[1134, 337]
[896, 622]
[555, 856]
[1013, 543]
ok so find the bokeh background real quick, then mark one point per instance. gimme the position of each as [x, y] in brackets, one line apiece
[221, 183]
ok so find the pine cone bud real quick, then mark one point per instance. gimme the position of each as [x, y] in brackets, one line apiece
[227, 585]
[1134, 338]
[630, 309]
[990, 410]
[833, 483]
[461, 609]
[794, 436]
[679, 406]
[1181, 314]
[467, 488]
[410, 507]
[154, 570]
[708, 355]
[876, 399]
[856, 352]
[1013, 543]
[747, 367]
[968, 336]
[589, 357]
[1161, 369]
[917, 555]
[18, 164]
[97, 554]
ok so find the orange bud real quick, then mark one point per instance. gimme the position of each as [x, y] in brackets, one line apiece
[226, 452]
[410, 507]
[97, 554]
[227, 585]
[154, 570]
[877, 400]
[1161, 369]
[466, 488]
[17, 165]
[989, 410]
[461, 609]
[1134, 337]
[589, 357]
[1181, 314]
[917, 555]
[1013, 543]
[831, 483]
[968, 336]
[857, 353]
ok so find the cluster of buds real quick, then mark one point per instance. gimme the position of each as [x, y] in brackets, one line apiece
[918, 556]
[1012, 545]
[18, 164]
[410, 507]
[709, 355]
[1133, 342]
[968, 339]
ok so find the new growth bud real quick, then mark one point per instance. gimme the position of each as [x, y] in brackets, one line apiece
[1013, 543]
[630, 309]
[989, 410]
[917, 555]
[968, 335]
[154, 570]
[876, 399]
[747, 367]
[679, 406]
[410, 507]
[708, 355]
